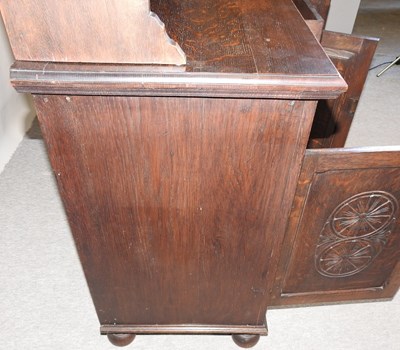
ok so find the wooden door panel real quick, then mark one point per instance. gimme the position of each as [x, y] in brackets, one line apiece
[343, 238]
[352, 56]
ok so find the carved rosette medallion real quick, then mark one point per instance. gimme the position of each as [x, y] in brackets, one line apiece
[355, 234]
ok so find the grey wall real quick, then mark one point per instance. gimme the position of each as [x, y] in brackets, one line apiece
[16, 114]
[342, 15]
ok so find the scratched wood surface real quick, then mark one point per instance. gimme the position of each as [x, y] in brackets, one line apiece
[243, 36]
[233, 48]
[138, 80]
[177, 205]
[216, 35]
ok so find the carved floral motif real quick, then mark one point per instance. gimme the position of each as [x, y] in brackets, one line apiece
[363, 215]
[355, 233]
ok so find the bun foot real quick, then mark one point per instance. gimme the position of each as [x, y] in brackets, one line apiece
[120, 339]
[246, 340]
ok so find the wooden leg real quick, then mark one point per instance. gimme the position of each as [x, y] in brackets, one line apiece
[246, 340]
[120, 339]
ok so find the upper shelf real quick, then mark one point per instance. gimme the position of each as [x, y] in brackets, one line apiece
[111, 31]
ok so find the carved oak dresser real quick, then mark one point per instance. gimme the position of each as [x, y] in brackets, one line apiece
[178, 139]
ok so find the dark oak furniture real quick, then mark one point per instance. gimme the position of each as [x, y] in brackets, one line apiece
[181, 161]
[352, 56]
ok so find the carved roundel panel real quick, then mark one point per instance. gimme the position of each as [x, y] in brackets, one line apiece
[346, 258]
[363, 214]
[355, 234]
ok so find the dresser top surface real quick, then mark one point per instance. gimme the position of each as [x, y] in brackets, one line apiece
[237, 36]
[234, 48]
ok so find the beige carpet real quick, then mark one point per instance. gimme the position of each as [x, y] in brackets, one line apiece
[377, 120]
[44, 300]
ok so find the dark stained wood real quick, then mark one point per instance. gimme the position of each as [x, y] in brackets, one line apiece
[322, 7]
[128, 80]
[120, 339]
[123, 31]
[179, 181]
[243, 36]
[219, 36]
[352, 56]
[246, 340]
[234, 48]
[335, 252]
[169, 201]
[316, 26]
[185, 329]
[311, 16]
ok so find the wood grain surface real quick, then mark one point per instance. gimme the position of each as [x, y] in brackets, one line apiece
[243, 36]
[322, 6]
[352, 56]
[123, 31]
[217, 35]
[311, 16]
[183, 184]
[233, 48]
[129, 80]
[369, 226]
[177, 205]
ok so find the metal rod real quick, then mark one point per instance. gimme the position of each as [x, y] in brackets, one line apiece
[390, 65]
